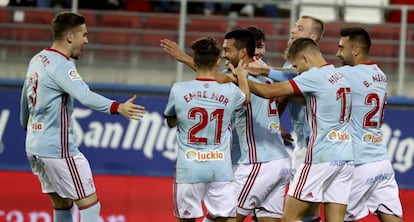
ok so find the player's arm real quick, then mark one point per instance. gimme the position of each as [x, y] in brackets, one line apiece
[270, 91]
[275, 73]
[299, 99]
[171, 122]
[178, 54]
[242, 74]
[72, 83]
[24, 109]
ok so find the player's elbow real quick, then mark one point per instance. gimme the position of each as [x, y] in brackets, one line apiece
[171, 122]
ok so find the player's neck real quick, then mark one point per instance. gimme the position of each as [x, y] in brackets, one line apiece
[205, 75]
[60, 48]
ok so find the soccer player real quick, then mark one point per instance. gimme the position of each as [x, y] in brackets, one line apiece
[51, 85]
[374, 188]
[202, 110]
[325, 175]
[263, 168]
[305, 26]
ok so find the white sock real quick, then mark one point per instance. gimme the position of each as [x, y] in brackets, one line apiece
[62, 215]
[90, 214]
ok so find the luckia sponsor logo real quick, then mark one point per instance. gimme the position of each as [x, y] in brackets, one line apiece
[273, 127]
[334, 136]
[211, 155]
[371, 138]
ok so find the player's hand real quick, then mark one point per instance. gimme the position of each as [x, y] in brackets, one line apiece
[286, 136]
[130, 110]
[257, 68]
[240, 69]
[174, 50]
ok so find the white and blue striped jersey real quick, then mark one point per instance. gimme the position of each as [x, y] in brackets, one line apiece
[51, 85]
[257, 128]
[204, 110]
[328, 107]
[369, 98]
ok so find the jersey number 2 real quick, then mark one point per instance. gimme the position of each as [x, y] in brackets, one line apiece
[204, 119]
[374, 99]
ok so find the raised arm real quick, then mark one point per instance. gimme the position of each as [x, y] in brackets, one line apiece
[242, 74]
[177, 53]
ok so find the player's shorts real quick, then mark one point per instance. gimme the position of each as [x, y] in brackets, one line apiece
[219, 199]
[68, 177]
[373, 188]
[328, 182]
[262, 186]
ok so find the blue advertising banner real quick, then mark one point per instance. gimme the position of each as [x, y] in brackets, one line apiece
[115, 145]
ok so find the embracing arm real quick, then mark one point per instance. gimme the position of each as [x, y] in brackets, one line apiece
[275, 73]
[271, 91]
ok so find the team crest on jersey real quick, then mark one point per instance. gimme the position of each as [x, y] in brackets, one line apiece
[211, 155]
[273, 127]
[206, 85]
[74, 75]
[371, 138]
[334, 136]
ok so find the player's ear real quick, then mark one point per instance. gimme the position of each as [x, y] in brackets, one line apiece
[69, 37]
[218, 63]
[356, 50]
[304, 58]
[243, 53]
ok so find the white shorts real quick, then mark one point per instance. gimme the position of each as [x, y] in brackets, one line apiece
[328, 182]
[68, 177]
[262, 186]
[373, 188]
[219, 199]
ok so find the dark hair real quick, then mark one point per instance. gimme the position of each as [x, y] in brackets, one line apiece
[64, 22]
[357, 35]
[301, 45]
[317, 26]
[206, 52]
[243, 39]
[258, 33]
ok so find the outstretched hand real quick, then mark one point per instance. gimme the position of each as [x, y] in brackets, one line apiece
[130, 110]
[173, 49]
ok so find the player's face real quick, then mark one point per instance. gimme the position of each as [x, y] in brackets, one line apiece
[300, 64]
[230, 53]
[260, 50]
[302, 28]
[345, 51]
[79, 40]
